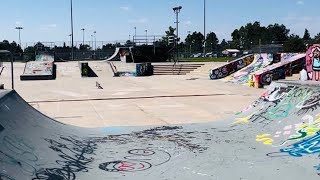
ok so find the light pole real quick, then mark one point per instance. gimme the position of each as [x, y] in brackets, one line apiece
[83, 36]
[189, 42]
[135, 33]
[70, 35]
[204, 28]
[91, 41]
[95, 40]
[177, 11]
[19, 29]
[146, 36]
[72, 50]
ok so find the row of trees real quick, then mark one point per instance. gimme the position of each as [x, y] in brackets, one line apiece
[244, 38]
[247, 37]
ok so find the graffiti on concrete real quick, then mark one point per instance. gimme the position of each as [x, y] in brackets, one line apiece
[137, 160]
[5, 177]
[1, 128]
[75, 156]
[304, 147]
[174, 134]
[18, 154]
[144, 69]
[231, 67]
[279, 102]
[313, 62]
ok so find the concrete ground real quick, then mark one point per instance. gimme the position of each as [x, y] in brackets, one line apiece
[129, 101]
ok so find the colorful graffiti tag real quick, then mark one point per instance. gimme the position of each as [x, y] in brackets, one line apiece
[313, 62]
[231, 67]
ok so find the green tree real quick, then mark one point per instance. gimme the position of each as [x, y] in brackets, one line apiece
[196, 41]
[169, 32]
[294, 44]
[278, 33]
[211, 42]
[306, 35]
[317, 38]
[223, 45]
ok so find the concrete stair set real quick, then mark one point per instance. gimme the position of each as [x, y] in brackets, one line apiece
[179, 69]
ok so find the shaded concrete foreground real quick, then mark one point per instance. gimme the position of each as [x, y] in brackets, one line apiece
[276, 137]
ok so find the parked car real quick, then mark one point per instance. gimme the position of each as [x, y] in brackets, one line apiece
[196, 55]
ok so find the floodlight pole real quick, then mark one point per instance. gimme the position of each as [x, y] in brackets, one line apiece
[95, 40]
[12, 79]
[83, 36]
[19, 28]
[177, 11]
[204, 28]
[72, 49]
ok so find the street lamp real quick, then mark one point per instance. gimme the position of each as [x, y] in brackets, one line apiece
[83, 35]
[91, 41]
[189, 42]
[70, 39]
[19, 28]
[146, 36]
[95, 40]
[72, 50]
[177, 11]
[135, 33]
[204, 28]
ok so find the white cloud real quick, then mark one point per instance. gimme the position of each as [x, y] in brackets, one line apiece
[52, 25]
[48, 26]
[297, 24]
[18, 23]
[188, 23]
[300, 2]
[140, 20]
[124, 8]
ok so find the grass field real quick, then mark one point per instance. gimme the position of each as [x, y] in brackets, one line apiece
[207, 59]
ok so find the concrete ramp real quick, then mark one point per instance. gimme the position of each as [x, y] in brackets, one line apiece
[276, 137]
[230, 68]
[39, 70]
[86, 70]
[280, 70]
[115, 54]
[242, 76]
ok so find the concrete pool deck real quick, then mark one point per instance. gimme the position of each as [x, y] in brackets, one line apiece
[129, 101]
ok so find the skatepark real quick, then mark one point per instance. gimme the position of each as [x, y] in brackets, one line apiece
[222, 125]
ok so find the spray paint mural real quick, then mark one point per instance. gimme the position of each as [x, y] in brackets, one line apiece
[242, 76]
[292, 63]
[313, 62]
[231, 67]
[290, 120]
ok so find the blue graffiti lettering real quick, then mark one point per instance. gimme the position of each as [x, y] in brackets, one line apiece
[307, 146]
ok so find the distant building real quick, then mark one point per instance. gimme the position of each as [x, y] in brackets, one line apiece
[231, 52]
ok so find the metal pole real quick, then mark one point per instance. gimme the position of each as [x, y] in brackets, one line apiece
[72, 49]
[82, 36]
[177, 11]
[19, 39]
[146, 37]
[204, 28]
[12, 79]
[95, 40]
[19, 28]
[177, 18]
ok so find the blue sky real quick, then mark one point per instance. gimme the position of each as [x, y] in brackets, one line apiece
[49, 20]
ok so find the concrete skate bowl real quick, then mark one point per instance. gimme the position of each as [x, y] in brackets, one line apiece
[276, 137]
[231, 67]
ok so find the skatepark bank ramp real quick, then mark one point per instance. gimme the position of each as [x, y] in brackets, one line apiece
[276, 137]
